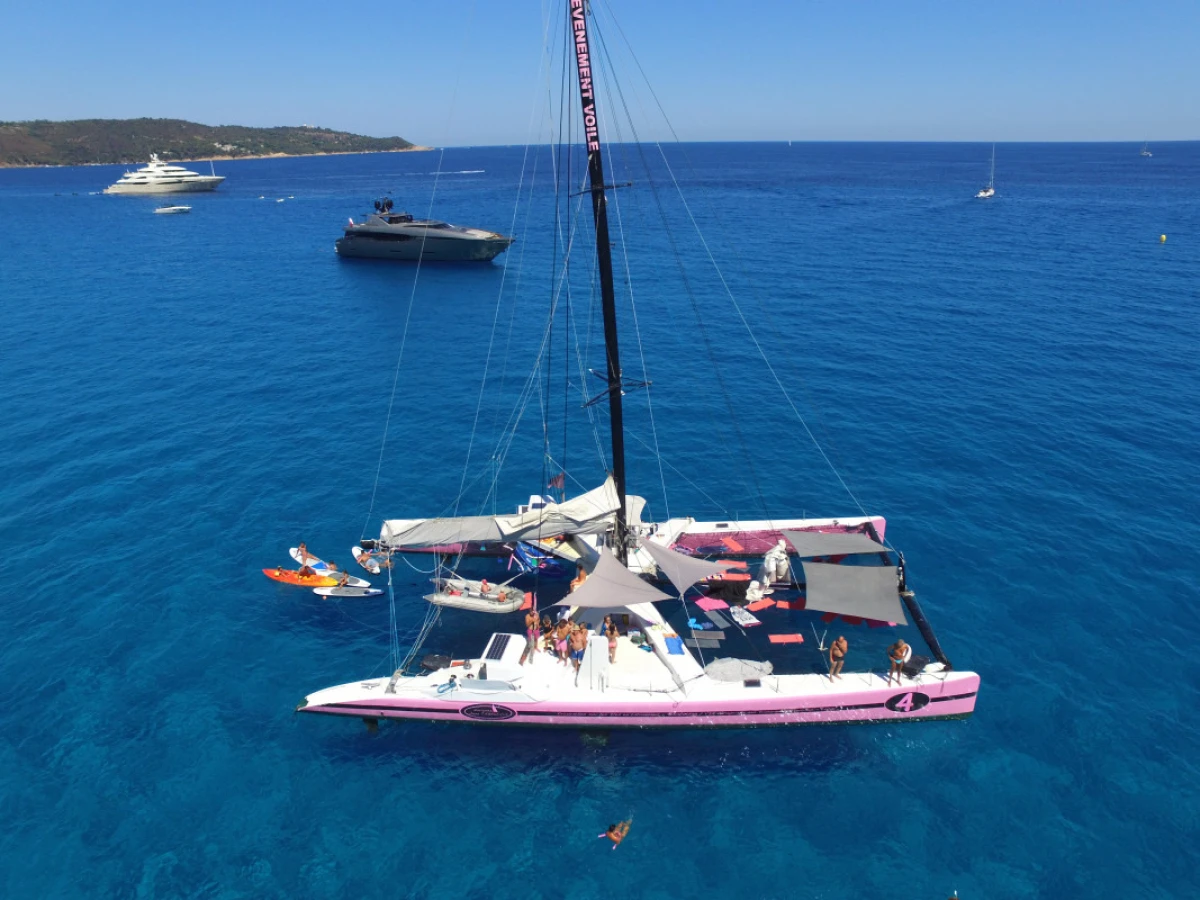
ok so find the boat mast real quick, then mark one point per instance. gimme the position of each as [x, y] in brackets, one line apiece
[591, 131]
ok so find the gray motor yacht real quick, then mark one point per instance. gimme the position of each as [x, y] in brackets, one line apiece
[397, 235]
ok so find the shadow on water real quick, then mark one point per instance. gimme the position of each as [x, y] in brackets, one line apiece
[505, 752]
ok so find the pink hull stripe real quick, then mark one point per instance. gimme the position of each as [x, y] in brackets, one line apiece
[886, 705]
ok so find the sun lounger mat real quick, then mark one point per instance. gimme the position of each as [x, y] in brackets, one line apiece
[717, 619]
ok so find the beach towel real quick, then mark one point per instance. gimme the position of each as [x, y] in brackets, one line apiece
[707, 603]
[760, 604]
[786, 638]
[674, 645]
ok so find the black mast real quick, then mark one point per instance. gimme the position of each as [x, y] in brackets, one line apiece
[591, 131]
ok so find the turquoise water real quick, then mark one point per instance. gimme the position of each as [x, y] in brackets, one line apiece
[1014, 384]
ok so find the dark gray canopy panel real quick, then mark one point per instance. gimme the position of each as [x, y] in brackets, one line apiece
[683, 571]
[611, 584]
[871, 592]
[818, 543]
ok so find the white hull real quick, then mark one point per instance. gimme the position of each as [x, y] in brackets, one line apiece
[640, 690]
[203, 183]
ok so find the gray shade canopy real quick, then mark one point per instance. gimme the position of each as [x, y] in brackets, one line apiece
[819, 543]
[611, 584]
[871, 592]
[683, 571]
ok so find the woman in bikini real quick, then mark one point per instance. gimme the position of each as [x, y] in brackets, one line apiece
[561, 633]
[898, 655]
[611, 634]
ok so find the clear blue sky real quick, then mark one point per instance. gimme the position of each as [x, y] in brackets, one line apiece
[456, 72]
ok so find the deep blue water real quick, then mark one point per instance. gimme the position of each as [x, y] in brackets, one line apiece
[1013, 383]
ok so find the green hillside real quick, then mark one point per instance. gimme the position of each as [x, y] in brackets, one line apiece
[128, 141]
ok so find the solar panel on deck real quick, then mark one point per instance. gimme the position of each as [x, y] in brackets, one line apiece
[495, 649]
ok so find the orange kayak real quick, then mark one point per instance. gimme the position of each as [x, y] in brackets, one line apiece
[292, 576]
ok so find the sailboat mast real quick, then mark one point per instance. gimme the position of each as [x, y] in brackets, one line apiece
[591, 131]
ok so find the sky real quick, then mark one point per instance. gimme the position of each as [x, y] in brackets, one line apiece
[466, 72]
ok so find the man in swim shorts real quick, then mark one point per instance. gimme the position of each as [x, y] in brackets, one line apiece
[578, 643]
[837, 657]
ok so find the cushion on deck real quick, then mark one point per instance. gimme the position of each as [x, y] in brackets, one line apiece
[786, 638]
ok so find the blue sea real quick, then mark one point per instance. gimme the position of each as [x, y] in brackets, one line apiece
[1013, 383]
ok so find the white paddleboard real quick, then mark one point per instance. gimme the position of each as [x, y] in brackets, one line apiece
[313, 562]
[366, 560]
[347, 592]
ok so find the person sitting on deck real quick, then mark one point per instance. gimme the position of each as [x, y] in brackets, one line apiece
[616, 833]
[579, 578]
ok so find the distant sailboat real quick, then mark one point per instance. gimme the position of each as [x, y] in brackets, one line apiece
[990, 190]
[1146, 149]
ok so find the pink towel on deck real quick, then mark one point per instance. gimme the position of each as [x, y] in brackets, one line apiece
[759, 604]
[786, 638]
[528, 601]
[709, 603]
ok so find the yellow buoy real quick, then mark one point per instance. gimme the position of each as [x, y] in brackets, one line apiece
[1162, 238]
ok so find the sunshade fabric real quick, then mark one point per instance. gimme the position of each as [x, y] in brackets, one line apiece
[819, 543]
[871, 592]
[684, 571]
[611, 584]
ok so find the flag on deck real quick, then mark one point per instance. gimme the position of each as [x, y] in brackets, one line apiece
[558, 481]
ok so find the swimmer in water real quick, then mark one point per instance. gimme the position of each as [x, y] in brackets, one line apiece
[616, 833]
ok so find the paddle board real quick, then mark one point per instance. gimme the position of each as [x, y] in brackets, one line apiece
[290, 576]
[346, 592]
[314, 562]
[366, 560]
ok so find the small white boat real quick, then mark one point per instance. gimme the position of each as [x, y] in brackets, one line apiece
[477, 596]
[990, 190]
[172, 210]
[1146, 149]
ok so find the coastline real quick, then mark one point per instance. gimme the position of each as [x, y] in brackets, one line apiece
[414, 149]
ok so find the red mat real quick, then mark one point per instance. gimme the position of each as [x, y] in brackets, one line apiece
[786, 638]
[528, 601]
[759, 604]
[732, 544]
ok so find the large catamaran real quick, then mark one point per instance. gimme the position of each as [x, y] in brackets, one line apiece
[639, 575]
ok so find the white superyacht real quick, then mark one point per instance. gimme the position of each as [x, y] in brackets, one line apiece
[159, 177]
